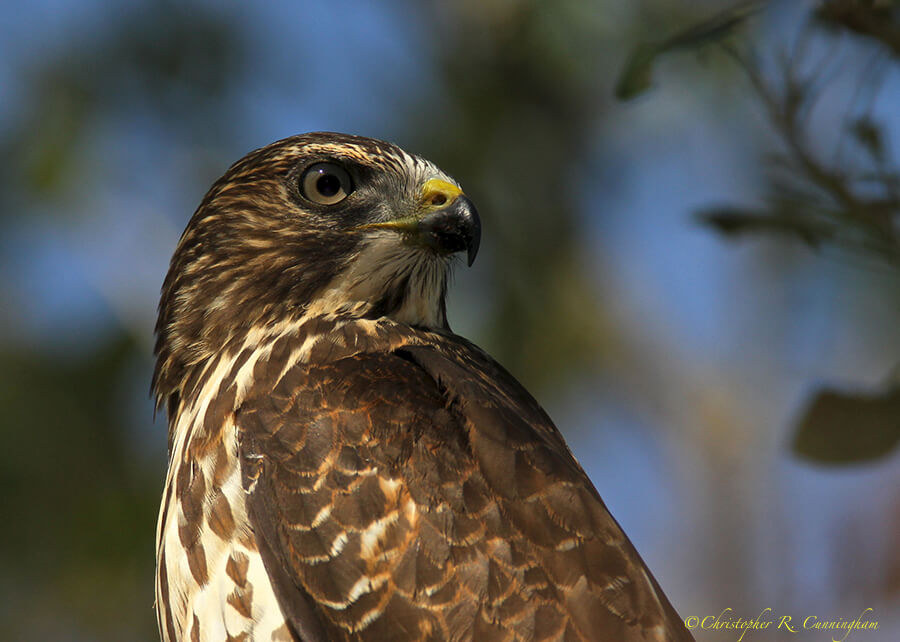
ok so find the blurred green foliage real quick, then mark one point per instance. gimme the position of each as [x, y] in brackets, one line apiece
[81, 513]
[77, 556]
[174, 67]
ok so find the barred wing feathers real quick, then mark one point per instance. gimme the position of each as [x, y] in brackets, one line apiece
[422, 494]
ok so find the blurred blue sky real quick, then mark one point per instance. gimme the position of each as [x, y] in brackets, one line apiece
[732, 330]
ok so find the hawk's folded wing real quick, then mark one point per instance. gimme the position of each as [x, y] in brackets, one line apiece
[424, 494]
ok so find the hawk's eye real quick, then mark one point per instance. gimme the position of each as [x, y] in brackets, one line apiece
[325, 183]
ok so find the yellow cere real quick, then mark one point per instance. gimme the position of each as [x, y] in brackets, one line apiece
[437, 193]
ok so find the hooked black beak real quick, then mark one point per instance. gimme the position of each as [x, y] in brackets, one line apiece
[452, 229]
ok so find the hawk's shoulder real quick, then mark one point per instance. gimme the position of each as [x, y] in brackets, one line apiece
[414, 486]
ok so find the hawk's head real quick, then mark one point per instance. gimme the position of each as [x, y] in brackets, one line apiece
[321, 223]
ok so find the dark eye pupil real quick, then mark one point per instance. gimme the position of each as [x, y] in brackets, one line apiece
[328, 184]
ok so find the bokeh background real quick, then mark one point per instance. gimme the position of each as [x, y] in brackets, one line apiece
[700, 283]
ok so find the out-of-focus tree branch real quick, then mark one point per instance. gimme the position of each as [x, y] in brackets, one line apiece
[857, 208]
[821, 202]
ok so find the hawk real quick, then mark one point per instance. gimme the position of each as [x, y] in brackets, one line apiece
[341, 465]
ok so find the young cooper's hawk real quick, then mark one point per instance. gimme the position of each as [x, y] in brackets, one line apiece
[342, 466]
